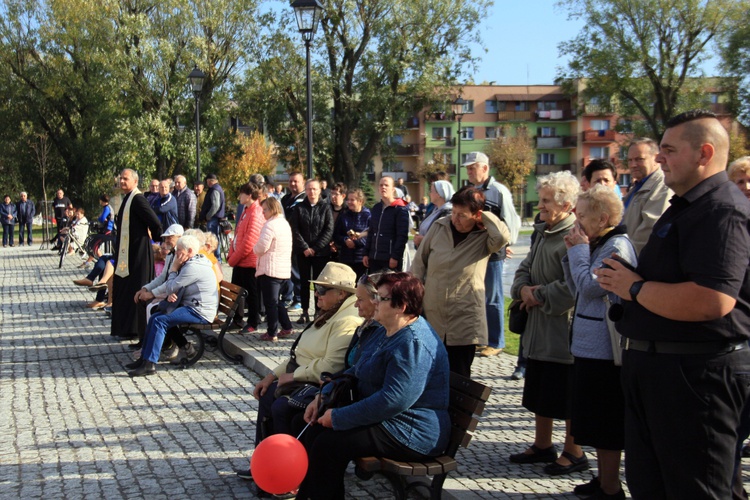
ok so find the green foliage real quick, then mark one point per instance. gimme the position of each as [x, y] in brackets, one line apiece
[512, 157]
[641, 54]
[735, 54]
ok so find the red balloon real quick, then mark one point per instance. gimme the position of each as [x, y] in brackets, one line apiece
[279, 464]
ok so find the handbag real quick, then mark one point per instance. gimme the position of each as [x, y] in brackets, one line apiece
[338, 390]
[614, 335]
[303, 396]
[517, 317]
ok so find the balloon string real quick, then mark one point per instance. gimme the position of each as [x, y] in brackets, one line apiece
[303, 430]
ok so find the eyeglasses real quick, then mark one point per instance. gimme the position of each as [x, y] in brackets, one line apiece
[322, 290]
[384, 299]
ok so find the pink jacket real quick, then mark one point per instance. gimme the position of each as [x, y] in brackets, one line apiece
[274, 249]
[246, 236]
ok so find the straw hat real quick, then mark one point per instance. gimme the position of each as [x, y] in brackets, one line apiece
[339, 276]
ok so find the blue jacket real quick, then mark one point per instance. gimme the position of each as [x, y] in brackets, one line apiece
[107, 218]
[590, 334]
[166, 211]
[26, 211]
[354, 221]
[403, 383]
[389, 232]
[5, 210]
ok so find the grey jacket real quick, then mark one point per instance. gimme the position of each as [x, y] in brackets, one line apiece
[162, 278]
[197, 279]
[546, 335]
[186, 207]
[590, 333]
[645, 208]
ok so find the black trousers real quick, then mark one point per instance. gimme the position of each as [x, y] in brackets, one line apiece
[331, 451]
[245, 277]
[682, 414]
[309, 269]
[460, 358]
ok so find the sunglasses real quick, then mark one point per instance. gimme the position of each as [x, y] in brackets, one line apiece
[322, 290]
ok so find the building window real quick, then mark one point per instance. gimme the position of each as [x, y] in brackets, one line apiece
[545, 159]
[491, 133]
[502, 106]
[469, 106]
[396, 140]
[546, 132]
[522, 105]
[601, 153]
[394, 166]
[599, 124]
[546, 105]
[490, 106]
[713, 98]
[467, 134]
[440, 133]
[623, 180]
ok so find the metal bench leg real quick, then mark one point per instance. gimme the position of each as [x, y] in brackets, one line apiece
[232, 359]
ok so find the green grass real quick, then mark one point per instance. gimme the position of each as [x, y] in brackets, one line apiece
[511, 339]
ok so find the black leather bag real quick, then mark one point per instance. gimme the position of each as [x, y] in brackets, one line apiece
[338, 390]
[517, 317]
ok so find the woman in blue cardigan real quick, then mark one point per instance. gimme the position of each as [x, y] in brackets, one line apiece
[403, 382]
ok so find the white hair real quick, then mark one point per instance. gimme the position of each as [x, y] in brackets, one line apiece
[565, 186]
[189, 242]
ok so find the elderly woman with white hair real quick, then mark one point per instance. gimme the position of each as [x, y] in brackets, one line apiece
[540, 286]
[598, 408]
[441, 193]
[739, 173]
[192, 297]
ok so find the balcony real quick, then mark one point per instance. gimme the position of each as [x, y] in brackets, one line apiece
[438, 116]
[444, 142]
[565, 141]
[598, 135]
[516, 116]
[412, 123]
[408, 150]
[557, 167]
[556, 115]
[596, 109]
[614, 160]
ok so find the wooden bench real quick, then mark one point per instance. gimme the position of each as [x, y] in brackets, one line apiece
[467, 401]
[228, 305]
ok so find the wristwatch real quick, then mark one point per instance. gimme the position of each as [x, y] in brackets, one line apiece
[635, 289]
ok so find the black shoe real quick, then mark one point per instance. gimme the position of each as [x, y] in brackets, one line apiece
[136, 346]
[577, 464]
[135, 364]
[746, 451]
[239, 324]
[600, 495]
[245, 474]
[540, 455]
[148, 368]
[588, 489]
[304, 319]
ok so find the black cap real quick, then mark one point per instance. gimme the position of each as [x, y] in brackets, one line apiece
[212, 177]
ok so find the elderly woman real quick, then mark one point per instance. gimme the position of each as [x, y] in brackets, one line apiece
[452, 262]
[598, 403]
[9, 216]
[739, 173]
[403, 383]
[242, 258]
[441, 193]
[192, 297]
[540, 285]
[348, 229]
[274, 251]
[321, 347]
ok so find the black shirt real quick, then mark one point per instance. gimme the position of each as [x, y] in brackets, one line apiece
[703, 237]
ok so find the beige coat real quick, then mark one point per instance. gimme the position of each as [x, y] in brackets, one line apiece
[323, 349]
[645, 208]
[454, 278]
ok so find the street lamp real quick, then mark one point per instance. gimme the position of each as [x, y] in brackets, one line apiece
[196, 78]
[308, 13]
[458, 113]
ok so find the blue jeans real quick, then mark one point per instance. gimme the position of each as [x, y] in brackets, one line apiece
[213, 226]
[8, 234]
[495, 304]
[157, 328]
[24, 227]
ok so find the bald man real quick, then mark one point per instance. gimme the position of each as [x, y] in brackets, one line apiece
[686, 323]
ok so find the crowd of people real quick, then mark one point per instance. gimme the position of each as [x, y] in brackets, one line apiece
[637, 306]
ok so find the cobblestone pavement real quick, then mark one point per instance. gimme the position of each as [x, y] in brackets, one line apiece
[74, 425]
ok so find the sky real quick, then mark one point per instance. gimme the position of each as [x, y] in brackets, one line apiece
[522, 38]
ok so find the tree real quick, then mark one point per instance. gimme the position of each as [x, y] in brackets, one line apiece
[380, 62]
[735, 54]
[250, 155]
[513, 157]
[643, 53]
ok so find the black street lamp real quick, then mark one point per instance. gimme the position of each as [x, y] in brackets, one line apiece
[458, 113]
[196, 78]
[308, 13]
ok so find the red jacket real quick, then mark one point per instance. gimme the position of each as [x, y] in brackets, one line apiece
[246, 236]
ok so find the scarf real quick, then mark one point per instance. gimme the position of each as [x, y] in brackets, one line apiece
[123, 252]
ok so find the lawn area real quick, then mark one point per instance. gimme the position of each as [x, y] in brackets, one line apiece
[511, 339]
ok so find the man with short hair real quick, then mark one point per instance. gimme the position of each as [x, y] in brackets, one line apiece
[186, 202]
[648, 197]
[153, 193]
[388, 233]
[292, 294]
[499, 201]
[166, 205]
[686, 323]
[400, 185]
[337, 199]
[26, 211]
[213, 208]
[60, 205]
[200, 196]
[134, 257]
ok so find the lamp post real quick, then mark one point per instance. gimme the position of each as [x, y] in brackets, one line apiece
[196, 78]
[458, 113]
[308, 13]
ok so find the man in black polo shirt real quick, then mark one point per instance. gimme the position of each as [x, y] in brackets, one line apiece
[686, 320]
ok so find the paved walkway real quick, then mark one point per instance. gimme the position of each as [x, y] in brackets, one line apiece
[74, 425]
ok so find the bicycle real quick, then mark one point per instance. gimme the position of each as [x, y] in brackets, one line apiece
[225, 229]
